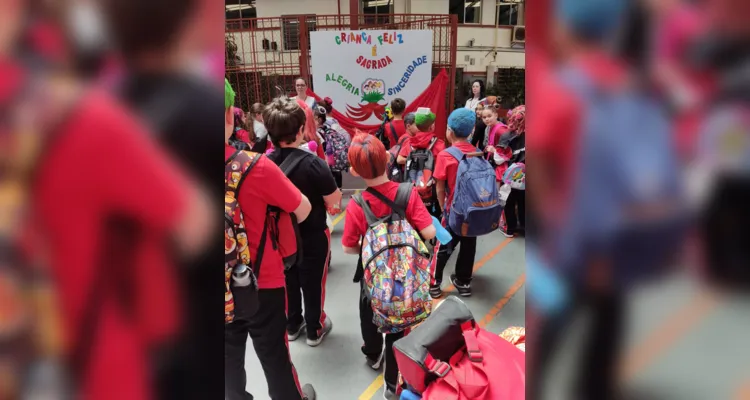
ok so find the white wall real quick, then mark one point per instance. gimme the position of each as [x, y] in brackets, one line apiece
[275, 8]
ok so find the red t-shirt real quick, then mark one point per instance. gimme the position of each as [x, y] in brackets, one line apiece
[85, 178]
[446, 167]
[400, 127]
[265, 186]
[355, 224]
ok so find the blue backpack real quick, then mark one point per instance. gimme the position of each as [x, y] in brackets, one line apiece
[476, 206]
[627, 200]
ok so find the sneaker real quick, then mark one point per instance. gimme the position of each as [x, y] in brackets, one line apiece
[292, 333]
[463, 289]
[327, 326]
[308, 393]
[375, 363]
[435, 291]
[505, 232]
[388, 394]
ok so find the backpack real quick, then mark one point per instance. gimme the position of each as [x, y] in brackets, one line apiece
[450, 357]
[515, 176]
[627, 203]
[476, 206]
[419, 168]
[395, 171]
[291, 245]
[240, 302]
[336, 147]
[382, 136]
[396, 265]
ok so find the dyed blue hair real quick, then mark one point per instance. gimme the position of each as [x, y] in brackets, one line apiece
[461, 122]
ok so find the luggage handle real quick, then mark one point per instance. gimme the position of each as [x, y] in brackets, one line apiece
[441, 368]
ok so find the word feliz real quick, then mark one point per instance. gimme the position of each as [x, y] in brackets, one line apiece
[405, 79]
[366, 38]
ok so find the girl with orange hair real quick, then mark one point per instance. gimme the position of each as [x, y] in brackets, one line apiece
[311, 132]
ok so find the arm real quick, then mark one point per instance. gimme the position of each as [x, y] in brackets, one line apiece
[303, 209]
[275, 189]
[401, 160]
[440, 189]
[419, 217]
[333, 199]
[428, 233]
[351, 250]
[327, 188]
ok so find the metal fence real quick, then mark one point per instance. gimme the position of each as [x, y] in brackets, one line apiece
[265, 55]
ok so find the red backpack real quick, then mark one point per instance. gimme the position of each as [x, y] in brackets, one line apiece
[419, 168]
[449, 357]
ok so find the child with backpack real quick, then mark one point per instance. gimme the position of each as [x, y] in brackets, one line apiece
[514, 143]
[418, 157]
[255, 294]
[336, 144]
[467, 191]
[387, 268]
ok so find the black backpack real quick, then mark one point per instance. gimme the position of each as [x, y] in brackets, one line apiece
[381, 135]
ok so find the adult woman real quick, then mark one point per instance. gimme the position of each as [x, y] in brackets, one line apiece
[300, 85]
[477, 95]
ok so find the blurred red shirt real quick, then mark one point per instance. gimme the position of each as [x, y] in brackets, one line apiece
[88, 176]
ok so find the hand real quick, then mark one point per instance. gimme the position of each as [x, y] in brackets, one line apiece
[490, 149]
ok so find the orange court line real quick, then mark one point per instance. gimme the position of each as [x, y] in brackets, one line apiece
[495, 310]
[642, 355]
[479, 264]
[744, 391]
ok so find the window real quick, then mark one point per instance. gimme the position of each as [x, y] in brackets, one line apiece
[240, 14]
[290, 30]
[468, 11]
[376, 12]
[507, 12]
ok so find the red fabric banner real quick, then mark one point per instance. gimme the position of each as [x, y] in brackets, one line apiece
[433, 97]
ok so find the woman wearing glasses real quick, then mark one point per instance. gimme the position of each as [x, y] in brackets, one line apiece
[300, 85]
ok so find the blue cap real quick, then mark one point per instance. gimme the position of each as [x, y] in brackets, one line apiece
[592, 19]
[461, 122]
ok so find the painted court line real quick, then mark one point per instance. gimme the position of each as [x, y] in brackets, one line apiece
[656, 343]
[744, 392]
[495, 310]
[378, 382]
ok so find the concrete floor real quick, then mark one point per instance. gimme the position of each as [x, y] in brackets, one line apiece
[337, 369]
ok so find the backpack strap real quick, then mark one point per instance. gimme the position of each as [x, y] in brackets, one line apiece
[432, 143]
[241, 156]
[456, 153]
[393, 131]
[369, 215]
[402, 195]
[396, 207]
[292, 161]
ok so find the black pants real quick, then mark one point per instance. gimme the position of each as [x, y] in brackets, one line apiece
[516, 198]
[310, 279]
[268, 331]
[338, 176]
[465, 261]
[374, 341]
[596, 378]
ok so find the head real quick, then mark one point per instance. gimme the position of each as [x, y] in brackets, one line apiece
[480, 108]
[151, 34]
[257, 111]
[460, 125]
[410, 124]
[477, 89]
[398, 106]
[491, 100]
[239, 118]
[327, 103]
[489, 115]
[517, 120]
[310, 129]
[300, 85]
[228, 110]
[320, 115]
[424, 119]
[584, 23]
[285, 122]
[367, 156]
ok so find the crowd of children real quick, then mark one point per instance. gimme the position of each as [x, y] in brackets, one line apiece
[307, 154]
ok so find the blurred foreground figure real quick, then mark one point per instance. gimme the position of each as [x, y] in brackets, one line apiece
[89, 207]
[608, 217]
[161, 43]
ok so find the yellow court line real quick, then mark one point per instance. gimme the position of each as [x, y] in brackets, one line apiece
[378, 382]
[372, 389]
[343, 213]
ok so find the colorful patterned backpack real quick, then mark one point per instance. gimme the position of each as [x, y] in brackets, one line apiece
[239, 302]
[396, 265]
[337, 146]
[515, 176]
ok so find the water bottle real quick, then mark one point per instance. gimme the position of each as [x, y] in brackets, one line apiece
[409, 395]
[241, 275]
[443, 236]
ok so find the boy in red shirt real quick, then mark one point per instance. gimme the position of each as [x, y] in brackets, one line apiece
[368, 159]
[460, 127]
[264, 186]
[397, 127]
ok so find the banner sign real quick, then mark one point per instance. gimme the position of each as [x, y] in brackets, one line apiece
[362, 71]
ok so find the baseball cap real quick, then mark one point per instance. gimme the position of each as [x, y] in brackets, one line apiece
[461, 122]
